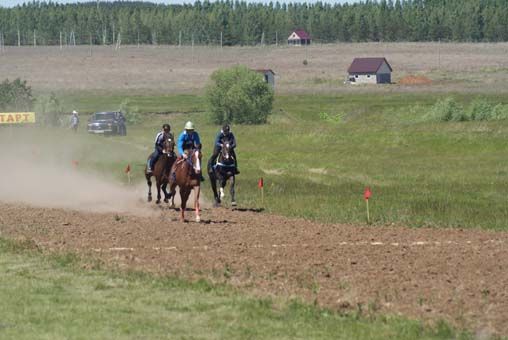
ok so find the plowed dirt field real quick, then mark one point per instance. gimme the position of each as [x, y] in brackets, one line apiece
[457, 275]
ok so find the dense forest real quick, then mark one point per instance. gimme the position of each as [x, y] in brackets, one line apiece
[241, 23]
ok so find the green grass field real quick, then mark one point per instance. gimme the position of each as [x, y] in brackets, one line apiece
[319, 153]
[51, 297]
[316, 155]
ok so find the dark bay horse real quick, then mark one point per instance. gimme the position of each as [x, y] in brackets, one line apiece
[161, 172]
[223, 170]
[186, 174]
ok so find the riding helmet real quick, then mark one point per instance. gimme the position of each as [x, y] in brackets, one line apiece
[189, 126]
[226, 128]
[166, 126]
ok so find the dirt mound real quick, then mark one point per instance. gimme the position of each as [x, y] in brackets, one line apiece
[429, 274]
[415, 80]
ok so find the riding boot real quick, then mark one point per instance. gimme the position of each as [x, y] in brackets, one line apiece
[149, 167]
[236, 168]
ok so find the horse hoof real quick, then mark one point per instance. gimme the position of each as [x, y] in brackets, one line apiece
[158, 202]
[166, 200]
[172, 206]
[233, 204]
[149, 199]
[198, 219]
[216, 205]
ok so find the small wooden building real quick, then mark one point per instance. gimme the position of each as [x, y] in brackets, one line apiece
[298, 38]
[370, 71]
[268, 75]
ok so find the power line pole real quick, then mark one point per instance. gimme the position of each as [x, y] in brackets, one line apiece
[180, 39]
[220, 39]
[35, 41]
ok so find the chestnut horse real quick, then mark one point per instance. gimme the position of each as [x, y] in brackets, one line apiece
[161, 172]
[186, 173]
[222, 171]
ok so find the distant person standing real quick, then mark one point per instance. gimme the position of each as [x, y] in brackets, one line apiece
[122, 129]
[74, 121]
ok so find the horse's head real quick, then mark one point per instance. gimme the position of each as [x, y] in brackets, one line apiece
[169, 145]
[195, 157]
[225, 154]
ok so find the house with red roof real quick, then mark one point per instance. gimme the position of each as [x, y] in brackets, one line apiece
[370, 71]
[298, 38]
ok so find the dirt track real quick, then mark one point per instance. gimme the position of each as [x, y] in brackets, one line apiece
[458, 275]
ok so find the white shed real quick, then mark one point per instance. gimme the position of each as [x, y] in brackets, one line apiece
[370, 71]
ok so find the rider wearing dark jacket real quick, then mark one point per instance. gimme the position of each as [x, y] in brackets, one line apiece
[159, 145]
[224, 136]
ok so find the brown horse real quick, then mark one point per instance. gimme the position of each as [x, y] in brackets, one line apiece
[161, 172]
[186, 173]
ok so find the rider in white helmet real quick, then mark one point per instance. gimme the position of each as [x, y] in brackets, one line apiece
[188, 140]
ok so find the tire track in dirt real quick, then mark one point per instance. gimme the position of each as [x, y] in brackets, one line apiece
[454, 274]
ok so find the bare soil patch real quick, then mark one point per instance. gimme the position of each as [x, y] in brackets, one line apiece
[458, 275]
[415, 80]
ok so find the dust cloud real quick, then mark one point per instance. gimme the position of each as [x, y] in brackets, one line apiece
[33, 176]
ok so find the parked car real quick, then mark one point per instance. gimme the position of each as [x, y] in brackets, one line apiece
[111, 123]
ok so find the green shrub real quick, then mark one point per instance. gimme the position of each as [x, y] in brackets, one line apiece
[500, 112]
[447, 110]
[239, 95]
[480, 109]
[131, 112]
[15, 96]
[48, 110]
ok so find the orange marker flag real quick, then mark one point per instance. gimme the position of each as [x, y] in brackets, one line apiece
[128, 172]
[75, 163]
[366, 194]
[260, 186]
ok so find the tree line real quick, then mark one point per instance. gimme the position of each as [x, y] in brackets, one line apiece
[240, 23]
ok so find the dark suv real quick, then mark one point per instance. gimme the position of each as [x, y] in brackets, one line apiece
[112, 123]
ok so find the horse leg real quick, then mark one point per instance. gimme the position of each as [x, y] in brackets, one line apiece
[223, 182]
[166, 194]
[158, 185]
[172, 192]
[232, 191]
[184, 196]
[149, 183]
[213, 182]
[197, 190]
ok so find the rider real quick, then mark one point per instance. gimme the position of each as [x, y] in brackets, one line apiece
[161, 137]
[225, 135]
[188, 140]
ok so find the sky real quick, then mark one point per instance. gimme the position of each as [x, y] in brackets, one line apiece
[10, 3]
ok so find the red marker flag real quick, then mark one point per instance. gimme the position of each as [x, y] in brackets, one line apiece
[128, 169]
[75, 163]
[367, 193]
[260, 183]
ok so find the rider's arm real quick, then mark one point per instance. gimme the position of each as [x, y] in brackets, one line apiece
[197, 141]
[180, 143]
[218, 141]
[232, 141]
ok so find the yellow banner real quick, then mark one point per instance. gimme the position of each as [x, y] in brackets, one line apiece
[17, 117]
